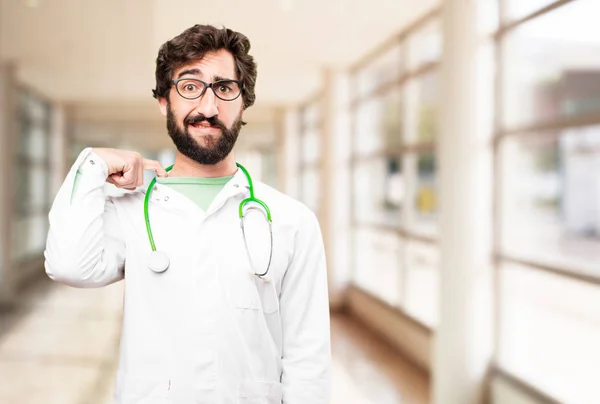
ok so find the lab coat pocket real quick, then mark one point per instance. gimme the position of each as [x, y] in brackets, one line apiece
[141, 389]
[254, 293]
[260, 393]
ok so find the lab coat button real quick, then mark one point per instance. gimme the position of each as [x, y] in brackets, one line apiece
[92, 162]
[166, 198]
[235, 185]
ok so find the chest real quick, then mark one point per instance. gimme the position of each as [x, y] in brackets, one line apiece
[203, 247]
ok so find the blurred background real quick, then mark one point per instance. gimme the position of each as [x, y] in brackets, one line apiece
[451, 150]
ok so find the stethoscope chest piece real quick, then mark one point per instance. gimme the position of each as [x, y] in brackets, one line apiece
[158, 261]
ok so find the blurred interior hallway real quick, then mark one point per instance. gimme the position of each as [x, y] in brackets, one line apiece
[60, 345]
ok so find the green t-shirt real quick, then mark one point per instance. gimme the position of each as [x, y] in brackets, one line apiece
[201, 191]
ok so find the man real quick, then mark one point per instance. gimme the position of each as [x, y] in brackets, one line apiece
[204, 327]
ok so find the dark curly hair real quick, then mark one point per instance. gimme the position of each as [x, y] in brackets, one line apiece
[192, 44]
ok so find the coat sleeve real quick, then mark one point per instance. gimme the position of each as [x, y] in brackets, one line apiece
[85, 245]
[304, 305]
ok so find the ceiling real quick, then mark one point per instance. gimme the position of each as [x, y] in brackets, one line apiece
[73, 50]
[99, 56]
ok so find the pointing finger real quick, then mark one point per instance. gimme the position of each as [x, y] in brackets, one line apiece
[155, 166]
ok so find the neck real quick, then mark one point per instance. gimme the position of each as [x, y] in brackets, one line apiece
[186, 167]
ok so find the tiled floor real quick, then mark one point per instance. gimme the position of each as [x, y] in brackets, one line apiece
[367, 371]
[61, 346]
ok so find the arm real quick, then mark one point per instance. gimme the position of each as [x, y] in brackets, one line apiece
[304, 306]
[85, 245]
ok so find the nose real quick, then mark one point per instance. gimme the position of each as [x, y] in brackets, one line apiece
[207, 104]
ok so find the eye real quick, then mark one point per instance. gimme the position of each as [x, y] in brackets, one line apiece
[224, 89]
[190, 87]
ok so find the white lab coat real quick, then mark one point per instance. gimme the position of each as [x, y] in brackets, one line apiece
[206, 330]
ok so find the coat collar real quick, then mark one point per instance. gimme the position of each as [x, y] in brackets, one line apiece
[168, 197]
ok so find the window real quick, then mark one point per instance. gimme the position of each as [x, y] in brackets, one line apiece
[270, 173]
[379, 122]
[552, 73]
[551, 198]
[310, 154]
[427, 109]
[423, 217]
[516, 9]
[31, 177]
[382, 71]
[394, 192]
[549, 332]
[425, 45]
[379, 190]
[548, 197]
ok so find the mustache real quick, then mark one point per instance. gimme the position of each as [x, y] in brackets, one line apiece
[212, 121]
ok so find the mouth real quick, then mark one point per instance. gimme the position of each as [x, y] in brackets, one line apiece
[204, 128]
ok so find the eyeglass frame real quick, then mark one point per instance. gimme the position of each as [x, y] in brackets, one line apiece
[207, 85]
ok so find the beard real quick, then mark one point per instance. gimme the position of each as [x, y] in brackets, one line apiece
[217, 149]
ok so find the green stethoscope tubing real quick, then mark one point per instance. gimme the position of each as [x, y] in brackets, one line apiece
[252, 198]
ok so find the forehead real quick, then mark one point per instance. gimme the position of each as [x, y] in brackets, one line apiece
[214, 63]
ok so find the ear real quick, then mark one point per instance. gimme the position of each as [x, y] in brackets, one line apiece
[162, 104]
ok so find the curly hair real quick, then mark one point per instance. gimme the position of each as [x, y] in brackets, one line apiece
[196, 41]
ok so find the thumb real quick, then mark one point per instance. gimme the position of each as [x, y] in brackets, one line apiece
[154, 166]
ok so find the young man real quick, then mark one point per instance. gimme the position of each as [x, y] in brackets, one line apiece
[202, 321]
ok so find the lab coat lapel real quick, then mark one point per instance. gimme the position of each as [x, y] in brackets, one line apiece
[237, 185]
[172, 200]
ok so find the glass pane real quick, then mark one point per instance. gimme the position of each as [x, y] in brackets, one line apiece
[422, 279]
[427, 108]
[379, 191]
[378, 261]
[269, 163]
[392, 119]
[504, 392]
[34, 143]
[38, 187]
[551, 198]
[487, 17]
[312, 115]
[37, 109]
[310, 188]
[384, 69]
[423, 218]
[379, 123]
[425, 45]
[32, 188]
[516, 9]
[549, 333]
[550, 72]
[311, 150]
[29, 236]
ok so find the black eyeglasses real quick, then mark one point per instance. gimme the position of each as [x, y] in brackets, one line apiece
[226, 90]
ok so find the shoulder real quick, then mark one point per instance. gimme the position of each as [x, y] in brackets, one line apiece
[283, 207]
[126, 199]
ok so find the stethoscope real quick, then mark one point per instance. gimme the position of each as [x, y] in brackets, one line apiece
[158, 261]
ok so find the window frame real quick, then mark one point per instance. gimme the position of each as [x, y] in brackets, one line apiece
[408, 74]
[501, 133]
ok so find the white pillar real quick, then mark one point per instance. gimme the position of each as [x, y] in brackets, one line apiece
[335, 182]
[464, 338]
